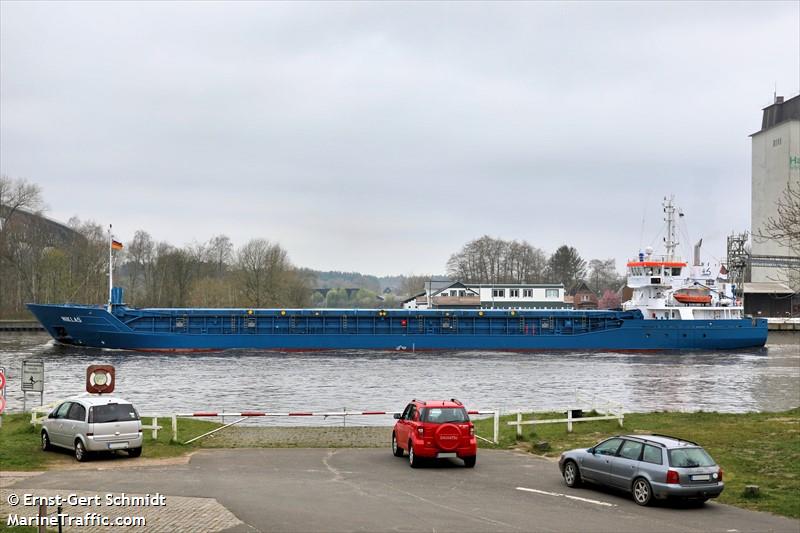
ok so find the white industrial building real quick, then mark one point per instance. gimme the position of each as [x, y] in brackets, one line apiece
[776, 164]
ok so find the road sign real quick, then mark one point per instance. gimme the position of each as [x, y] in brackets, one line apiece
[33, 375]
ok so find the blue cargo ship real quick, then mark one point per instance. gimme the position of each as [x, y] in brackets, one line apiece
[674, 307]
[334, 329]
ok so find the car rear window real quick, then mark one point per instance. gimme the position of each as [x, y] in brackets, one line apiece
[690, 458]
[113, 412]
[443, 415]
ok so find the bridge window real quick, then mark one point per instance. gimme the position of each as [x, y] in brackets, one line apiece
[527, 293]
[551, 293]
[513, 293]
[498, 293]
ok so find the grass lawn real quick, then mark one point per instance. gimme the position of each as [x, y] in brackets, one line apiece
[19, 442]
[753, 449]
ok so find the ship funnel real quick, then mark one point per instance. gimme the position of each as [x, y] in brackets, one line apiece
[697, 252]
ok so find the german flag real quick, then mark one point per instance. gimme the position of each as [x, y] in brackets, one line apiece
[116, 245]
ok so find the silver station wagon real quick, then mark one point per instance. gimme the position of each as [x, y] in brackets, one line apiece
[648, 466]
[91, 424]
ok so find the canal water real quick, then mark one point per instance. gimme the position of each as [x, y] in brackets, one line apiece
[766, 379]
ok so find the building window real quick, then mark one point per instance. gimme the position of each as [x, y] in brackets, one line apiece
[462, 293]
[585, 298]
[776, 142]
[551, 293]
[527, 293]
[498, 293]
[513, 293]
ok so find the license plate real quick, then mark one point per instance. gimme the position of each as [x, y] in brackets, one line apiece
[446, 454]
[701, 477]
[117, 445]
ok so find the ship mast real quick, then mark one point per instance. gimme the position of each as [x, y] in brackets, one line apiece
[671, 240]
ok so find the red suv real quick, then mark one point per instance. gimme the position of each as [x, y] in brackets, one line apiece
[434, 429]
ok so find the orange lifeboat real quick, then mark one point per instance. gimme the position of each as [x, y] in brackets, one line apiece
[688, 296]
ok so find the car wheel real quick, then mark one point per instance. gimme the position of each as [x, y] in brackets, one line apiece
[572, 476]
[469, 462]
[80, 451]
[396, 450]
[135, 452]
[413, 460]
[45, 441]
[642, 492]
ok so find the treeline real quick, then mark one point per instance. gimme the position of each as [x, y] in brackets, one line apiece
[490, 260]
[43, 261]
[210, 274]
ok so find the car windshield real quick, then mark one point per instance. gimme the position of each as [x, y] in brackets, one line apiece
[443, 415]
[114, 412]
[689, 458]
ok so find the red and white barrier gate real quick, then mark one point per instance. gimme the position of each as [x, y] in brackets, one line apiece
[244, 415]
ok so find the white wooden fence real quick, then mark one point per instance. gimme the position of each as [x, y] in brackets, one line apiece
[611, 410]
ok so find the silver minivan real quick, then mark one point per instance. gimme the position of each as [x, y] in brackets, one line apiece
[92, 424]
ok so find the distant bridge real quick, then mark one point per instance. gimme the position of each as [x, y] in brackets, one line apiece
[351, 291]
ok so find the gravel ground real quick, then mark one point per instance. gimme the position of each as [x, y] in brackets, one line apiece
[300, 437]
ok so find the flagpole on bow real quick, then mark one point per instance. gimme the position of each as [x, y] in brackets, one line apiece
[110, 268]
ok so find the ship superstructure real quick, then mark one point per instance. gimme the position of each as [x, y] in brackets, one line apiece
[667, 288]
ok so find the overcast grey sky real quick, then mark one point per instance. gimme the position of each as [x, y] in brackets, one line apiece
[380, 137]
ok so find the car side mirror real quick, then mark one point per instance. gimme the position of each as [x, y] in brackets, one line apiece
[51, 415]
[592, 451]
[396, 416]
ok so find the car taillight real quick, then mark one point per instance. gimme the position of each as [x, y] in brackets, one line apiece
[420, 430]
[719, 475]
[472, 431]
[673, 477]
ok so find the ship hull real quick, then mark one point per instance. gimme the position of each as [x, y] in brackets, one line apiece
[185, 330]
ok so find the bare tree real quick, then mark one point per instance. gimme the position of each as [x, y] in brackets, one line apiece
[603, 275]
[219, 252]
[16, 194]
[490, 260]
[261, 265]
[139, 264]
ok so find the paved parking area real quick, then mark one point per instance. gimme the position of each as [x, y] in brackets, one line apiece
[370, 490]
